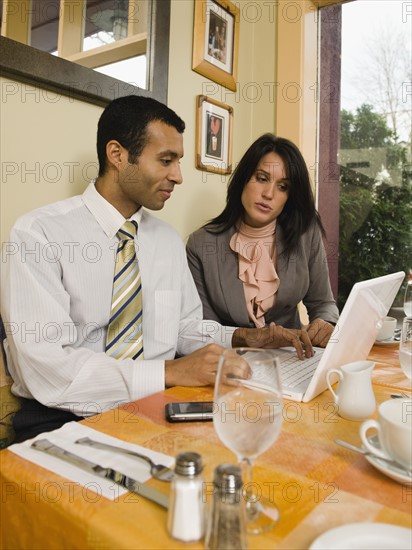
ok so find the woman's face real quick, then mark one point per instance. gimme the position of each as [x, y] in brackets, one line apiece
[267, 191]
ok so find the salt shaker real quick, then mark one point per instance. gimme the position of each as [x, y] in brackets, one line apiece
[227, 524]
[186, 513]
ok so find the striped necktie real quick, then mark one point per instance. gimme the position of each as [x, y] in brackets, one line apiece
[125, 332]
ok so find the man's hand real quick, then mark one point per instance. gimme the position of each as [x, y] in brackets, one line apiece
[197, 369]
[319, 332]
[274, 336]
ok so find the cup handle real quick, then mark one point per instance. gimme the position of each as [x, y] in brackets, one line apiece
[365, 426]
[328, 374]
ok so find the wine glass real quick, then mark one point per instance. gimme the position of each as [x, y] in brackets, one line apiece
[405, 347]
[407, 302]
[248, 420]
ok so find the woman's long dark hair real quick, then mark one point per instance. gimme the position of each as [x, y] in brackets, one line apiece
[299, 211]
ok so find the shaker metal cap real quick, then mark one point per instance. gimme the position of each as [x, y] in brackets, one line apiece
[227, 478]
[188, 464]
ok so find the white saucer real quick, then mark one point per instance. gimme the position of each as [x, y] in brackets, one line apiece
[394, 472]
[364, 536]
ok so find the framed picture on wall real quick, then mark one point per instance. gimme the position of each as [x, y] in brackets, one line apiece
[216, 41]
[214, 126]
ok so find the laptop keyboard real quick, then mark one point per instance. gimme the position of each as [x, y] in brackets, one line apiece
[294, 371]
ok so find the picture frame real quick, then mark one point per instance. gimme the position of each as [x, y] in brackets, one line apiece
[216, 41]
[214, 128]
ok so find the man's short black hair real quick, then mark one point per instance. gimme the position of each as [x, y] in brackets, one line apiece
[126, 119]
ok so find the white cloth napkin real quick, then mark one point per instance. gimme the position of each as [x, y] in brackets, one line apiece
[66, 436]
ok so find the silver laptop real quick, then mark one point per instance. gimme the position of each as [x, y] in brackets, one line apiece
[355, 332]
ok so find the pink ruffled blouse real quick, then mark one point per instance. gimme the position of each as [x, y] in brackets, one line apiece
[256, 252]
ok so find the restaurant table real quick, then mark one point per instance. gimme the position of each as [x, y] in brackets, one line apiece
[316, 484]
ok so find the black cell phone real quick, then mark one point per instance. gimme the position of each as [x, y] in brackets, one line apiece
[189, 411]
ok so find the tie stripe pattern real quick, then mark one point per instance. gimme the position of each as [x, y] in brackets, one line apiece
[125, 332]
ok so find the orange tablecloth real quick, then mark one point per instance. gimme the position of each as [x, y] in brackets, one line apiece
[384, 374]
[316, 484]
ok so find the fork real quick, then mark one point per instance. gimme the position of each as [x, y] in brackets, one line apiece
[158, 471]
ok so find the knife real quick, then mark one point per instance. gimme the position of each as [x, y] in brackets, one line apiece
[108, 473]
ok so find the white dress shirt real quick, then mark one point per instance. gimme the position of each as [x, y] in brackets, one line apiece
[57, 276]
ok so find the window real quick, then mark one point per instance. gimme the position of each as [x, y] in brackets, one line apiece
[56, 43]
[308, 111]
[365, 176]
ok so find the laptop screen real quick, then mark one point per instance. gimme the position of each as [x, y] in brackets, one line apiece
[355, 332]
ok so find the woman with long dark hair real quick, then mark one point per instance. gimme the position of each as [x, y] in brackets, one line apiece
[264, 253]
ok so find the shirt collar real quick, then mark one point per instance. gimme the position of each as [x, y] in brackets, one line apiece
[106, 215]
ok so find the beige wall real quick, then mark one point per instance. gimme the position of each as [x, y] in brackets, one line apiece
[48, 141]
[47, 148]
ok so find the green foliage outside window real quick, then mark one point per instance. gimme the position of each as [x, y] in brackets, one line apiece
[375, 213]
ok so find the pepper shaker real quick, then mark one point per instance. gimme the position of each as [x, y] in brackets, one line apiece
[227, 523]
[186, 517]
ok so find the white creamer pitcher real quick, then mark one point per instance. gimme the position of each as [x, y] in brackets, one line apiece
[354, 396]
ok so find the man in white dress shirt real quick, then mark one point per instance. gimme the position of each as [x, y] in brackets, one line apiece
[57, 282]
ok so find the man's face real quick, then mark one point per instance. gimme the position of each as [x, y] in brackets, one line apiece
[150, 182]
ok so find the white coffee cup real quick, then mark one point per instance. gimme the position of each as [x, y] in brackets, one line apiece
[387, 329]
[394, 427]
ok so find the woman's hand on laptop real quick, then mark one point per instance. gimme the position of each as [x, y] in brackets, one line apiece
[319, 332]
[274, 336]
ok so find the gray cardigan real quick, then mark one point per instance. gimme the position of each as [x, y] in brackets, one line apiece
[305, 277]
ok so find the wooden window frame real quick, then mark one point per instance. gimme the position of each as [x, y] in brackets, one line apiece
[34, 67]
